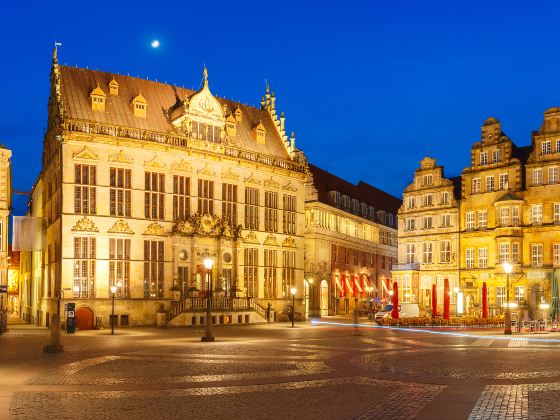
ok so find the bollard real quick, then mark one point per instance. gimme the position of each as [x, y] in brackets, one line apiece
[356, 322]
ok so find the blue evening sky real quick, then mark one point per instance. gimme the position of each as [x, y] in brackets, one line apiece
[369, 87]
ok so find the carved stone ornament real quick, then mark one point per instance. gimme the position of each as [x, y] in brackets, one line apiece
[85, 154]
[289, 187]
[207, 171]
[271, 183]
[85, 224]
[155, 228]
[121, 158]
[205, 224]
[251, 238]
[121, 226]
[154, 163]
[183, 165]
[252, 180]
[427, 163]
[230, 175]
[289, 242]
[271, 240]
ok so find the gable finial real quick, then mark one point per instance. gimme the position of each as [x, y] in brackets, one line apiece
[55, 52]
[205, 76]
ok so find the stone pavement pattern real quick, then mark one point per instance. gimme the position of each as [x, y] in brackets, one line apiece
[276, 372]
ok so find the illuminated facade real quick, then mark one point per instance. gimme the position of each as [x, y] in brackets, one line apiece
[141, 180]
[350, 243]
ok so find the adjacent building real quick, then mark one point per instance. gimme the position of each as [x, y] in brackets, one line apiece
[350, 243]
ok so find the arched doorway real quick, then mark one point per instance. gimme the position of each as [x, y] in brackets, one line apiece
[84, 318]
[324, 298]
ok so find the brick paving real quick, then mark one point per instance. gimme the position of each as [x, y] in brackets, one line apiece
[274, 371]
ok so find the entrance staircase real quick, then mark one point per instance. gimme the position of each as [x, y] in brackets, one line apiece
[224, 310]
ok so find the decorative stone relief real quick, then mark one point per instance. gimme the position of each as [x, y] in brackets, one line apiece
[289, 242]
[121, 158]
[207, 171]
[183, 165]
[206, 225]
[251, 238]
[85, 224]
[271, 240]
[427, 163]
[289, 187]
[252, 180]
[85, 154]
[155, 228]
[154, 163]
[121, 226]
[230, 175]
[271, 183]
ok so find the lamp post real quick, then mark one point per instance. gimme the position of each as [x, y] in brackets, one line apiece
[507, 322]
[208, 263]
[293, 291]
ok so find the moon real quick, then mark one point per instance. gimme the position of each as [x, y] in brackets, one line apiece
[155, 43]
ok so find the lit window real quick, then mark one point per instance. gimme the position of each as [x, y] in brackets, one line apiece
[503, 255]
[546, 147]
[504, 181]
[496, 156]
[504, 216]
[537, 176]
[445, 251]
[427, 222]
[536, 255]
[476, 185]
[469, 257]
[482, 219]
[489, 183]
[483, 158]
[556, 211]
[500, 295]
[469, 220]
[519, 292]
[556, 254]
[553, 175]
[410, 224]
[536, 214]
[482, 257]
[427, 252]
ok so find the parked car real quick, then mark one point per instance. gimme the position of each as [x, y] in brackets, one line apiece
[406, 310]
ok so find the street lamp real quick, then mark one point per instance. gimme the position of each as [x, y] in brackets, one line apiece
[507, 322]
[208, 263]
[293, 291]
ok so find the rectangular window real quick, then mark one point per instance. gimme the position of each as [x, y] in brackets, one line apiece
[119, 266]
[515, 252]
[476, 186]
[489, 183]
[504, 181]
[205, 196]
[536, 255]
[553, 175]
[519, 293]
[427, 222]
[271, 211]
[503, 255]
[445, 198]
[84, 267]
[410, 224]
[469, 257]
[445, 220]
[289, 214]
[411, 202]
[120, 192]
[504, 216]
[536, 214]
[406, 286]
[250, 271]
[556, 254]
[495, 156]
[482, 257]
[546, 147]
[482, 219]
[288, 271]
[515, 217]
[229, 203]
[557, 146]
[469, 220]
[410, 251]
[427, 180]
[270, 285]
[251, 208]
[84, 190]
[500, 296]
[153, 269]
[445, 252]
[556, 213]
[537, 176]
[483, 158]
[427, 200]
[154, 184]
[181, 197]
[427, 252]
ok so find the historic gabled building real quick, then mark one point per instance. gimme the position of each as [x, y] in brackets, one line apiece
[142, 180]
[428, 236]
[350, 243]
[5, 208]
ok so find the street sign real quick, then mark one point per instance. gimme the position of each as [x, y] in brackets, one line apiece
[3, 289]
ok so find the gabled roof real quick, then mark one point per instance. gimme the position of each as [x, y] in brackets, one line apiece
[508, 197]
[325, 181]
[78, 83]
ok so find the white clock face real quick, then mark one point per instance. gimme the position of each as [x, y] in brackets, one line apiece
[183, 254]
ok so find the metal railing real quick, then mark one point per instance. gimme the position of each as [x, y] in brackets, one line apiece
[198, 304]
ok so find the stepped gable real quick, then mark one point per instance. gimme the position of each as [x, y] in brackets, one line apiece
[78, 83]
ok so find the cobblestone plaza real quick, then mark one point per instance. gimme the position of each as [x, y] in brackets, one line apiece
[274, 371]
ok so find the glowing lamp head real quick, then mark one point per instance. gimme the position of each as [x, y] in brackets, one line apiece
[113, 289]
[208, 263]
[293, 291]
[391, 293]
[508, 268]
[310, 281]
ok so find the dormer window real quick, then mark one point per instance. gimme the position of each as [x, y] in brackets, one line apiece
[346, 202]
[231, 126]
[259, 133]
[238, 114]
[483, 158]
[335, 195]
[364, 209]
[139, 106]
[427, 180]
[113, 87]
[355, 205]
[98, 99]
